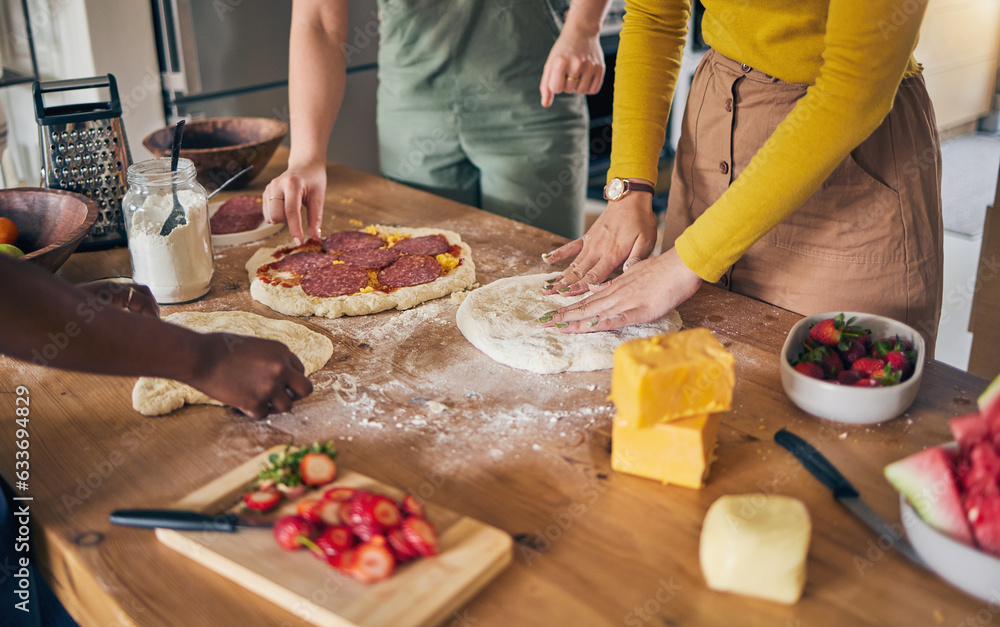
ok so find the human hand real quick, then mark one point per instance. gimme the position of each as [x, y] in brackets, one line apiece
[253, 375]
[575, 65]
[649, 290]
[624, 233]
[126, 295]
[295, 187]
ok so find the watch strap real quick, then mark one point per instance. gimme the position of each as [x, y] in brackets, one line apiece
[632, 186]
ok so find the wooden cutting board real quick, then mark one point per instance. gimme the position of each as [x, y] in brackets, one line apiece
[424, 592]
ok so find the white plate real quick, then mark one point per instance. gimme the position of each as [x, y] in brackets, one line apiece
[263, 231]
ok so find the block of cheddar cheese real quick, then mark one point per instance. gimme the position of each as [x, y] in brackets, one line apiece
[756, 544]
[671, 376]
[678, 452]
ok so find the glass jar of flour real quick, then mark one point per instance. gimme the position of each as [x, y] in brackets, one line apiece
[177, 267]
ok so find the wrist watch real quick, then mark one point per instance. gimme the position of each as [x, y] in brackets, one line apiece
[617, 188]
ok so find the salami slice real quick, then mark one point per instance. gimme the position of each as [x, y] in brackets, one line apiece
[243, 213]
[302, 263]
[410, 270]
[426, 245]
[372, 259]
[344, 241]
[336, 280]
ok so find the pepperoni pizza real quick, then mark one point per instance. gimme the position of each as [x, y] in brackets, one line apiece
[361, 272]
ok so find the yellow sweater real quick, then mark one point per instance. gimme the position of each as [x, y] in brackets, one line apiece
[853, 55]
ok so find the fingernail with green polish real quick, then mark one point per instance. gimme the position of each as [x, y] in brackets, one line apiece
[563, 289]
[562, 325]
[545, 319]
[552, 280]
[593, 284]
[594, 323]
[546, 255]
[551, 313]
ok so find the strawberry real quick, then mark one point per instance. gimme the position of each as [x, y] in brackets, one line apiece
[329, 512]
[412, 506]
[317, 469]
[868, 365]
[339, 494]
[862, 335]
[344, 512]
[344, 562]
[853, 353]
[899, 361]
[831, 364]
[292, 492]
[867, 383]
[886, 376]
[849, 377]
[832, 331]
[421, 535]
[332, 543]
[365, 531]
[373, 561]
[292, 532]
[385, 512]
[262, 500]
[809, 369]
[309, 509]
[402, 549]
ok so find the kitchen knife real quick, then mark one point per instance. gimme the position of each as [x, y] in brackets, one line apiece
[843, 491]
[183, 520]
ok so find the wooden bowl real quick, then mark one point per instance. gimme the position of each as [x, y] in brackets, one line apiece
[51, 223]
[221, 147]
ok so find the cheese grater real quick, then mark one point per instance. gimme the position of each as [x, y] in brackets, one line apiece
[84, 150]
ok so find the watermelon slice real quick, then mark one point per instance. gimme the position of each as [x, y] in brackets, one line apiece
[969, 430]
[983, 470]
[989, 402]
[928, 482]
[984, 516]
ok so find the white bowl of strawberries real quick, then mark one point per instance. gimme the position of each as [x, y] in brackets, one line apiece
[852, 367]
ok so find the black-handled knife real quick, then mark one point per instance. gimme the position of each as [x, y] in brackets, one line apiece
[183, 520]
[844, 492]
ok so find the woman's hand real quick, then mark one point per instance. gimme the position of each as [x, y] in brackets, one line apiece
[575, 65]
[624, 233]
[646, 292]
[253, 375]
[295, 187]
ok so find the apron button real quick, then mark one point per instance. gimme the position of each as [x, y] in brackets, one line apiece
[724, 281]
[724, 167]
[729, 104]
[745, 67]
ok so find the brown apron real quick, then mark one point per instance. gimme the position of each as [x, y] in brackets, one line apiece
[869, 240]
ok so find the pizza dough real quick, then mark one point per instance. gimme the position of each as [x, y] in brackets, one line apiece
[501, 319]
[152, 397]
[293, 301]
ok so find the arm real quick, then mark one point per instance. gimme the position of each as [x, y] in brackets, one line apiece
[50, 322]
[577, 53]
[649, 61]
[316, 78]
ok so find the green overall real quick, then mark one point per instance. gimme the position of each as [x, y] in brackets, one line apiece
[459, 110]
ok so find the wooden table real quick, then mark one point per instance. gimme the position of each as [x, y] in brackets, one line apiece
[412, 404]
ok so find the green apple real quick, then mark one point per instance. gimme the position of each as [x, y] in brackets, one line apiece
[10, 249]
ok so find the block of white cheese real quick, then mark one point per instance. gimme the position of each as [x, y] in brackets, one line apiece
[756, 544]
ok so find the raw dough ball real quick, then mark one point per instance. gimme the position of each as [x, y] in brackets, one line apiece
[501, 319]
[152, 397]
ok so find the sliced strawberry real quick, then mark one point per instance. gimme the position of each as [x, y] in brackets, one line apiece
[402, 549]
[373, 561]
[292, 492]
[412, 506]
[421, 535]
[262, 500]
[385, 512]
[810, 369]
[290, 531]
[317, 469]
[344, 512]
[339, 536]
[868, 365]
[365, 531]
[329, 512]
[309, 509]
[339, 494]
[363, 508]
[344, 562]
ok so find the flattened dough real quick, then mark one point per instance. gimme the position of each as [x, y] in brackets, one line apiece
[153, 397]
[501, 319]
[294, 302]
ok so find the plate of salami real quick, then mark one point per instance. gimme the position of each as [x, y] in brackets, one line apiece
[239, 220]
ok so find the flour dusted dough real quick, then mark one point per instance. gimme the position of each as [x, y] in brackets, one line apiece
[295, 302]
[152, 397]
[501, 319]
